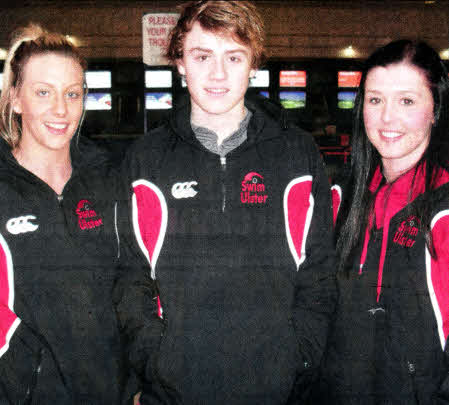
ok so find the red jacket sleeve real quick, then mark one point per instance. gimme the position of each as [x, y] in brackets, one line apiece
[437, 269]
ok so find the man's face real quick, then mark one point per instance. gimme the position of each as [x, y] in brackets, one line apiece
[217, 71]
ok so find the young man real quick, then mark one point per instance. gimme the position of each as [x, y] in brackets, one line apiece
[232, 210]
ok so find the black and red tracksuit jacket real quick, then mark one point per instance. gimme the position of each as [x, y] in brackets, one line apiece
[242, 250]
[388, 341]
[59, 338]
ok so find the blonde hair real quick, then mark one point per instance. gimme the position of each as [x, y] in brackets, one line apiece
[27, 42]
[240, 19]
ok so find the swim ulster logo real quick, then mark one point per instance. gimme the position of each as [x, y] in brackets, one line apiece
[406, 233]
[253, 189]
[87, 217]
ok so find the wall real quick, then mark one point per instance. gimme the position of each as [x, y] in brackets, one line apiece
[295, 29]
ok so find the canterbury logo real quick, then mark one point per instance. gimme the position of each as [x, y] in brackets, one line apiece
[21, 225]
[372, 311]
[184, 190]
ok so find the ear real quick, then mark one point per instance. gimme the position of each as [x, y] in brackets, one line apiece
[181, 67]
[252, 73]
[15, 101]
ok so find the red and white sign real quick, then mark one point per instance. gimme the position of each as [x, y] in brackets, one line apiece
[349, 79]
[155, 30]
[292, 78]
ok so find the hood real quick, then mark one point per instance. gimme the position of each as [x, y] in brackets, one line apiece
[389, 200]
[266, 115]
[84, 153]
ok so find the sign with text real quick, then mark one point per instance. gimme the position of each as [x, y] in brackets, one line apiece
[292, 78]
[349, 79]
[155, 29]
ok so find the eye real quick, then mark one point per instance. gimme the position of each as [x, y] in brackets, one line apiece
[202, 58]
[42, 93]
[73, 94]
[374, 100]
[234, 59]
[407, 101]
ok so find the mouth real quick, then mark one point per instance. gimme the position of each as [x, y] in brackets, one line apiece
[216, 91]
[55, 125]
[57, 128]
[391, 134]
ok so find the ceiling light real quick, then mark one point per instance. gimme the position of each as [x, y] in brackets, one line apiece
[349, 52]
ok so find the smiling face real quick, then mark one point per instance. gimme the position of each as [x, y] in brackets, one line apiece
[49, 101]
[398, 115]
[217, 71]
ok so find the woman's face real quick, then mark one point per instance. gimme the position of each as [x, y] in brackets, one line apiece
[398, 115]
[50, 101]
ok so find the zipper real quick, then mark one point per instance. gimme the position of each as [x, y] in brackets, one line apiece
[116, 230]
[223, 184]
[61, 208]
[31, 388]
[411, 371]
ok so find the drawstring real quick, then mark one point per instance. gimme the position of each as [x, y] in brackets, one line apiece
[383, 252]
[365, 244]
[382, 196]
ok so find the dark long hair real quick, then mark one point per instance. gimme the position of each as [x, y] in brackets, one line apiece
[358, 201]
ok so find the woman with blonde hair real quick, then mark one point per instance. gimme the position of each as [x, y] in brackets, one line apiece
[59, 340]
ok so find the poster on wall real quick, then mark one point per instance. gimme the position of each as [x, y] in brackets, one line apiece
[155, 29]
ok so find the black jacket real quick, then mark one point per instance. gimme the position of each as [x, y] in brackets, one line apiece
[59, 340]
[242, 250]
[388, 342]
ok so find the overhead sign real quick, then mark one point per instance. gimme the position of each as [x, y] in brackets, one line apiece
[292, 78]
[155, 30]
[349, 79]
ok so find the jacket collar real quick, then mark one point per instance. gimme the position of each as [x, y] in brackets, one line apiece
[266, 115]
[84, 153]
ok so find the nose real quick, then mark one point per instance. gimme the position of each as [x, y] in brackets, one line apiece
[60, 105]
[387, 111]
[218, 69]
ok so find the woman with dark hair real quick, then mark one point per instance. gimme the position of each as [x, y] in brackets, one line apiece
[389, 336]
[59, 338]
